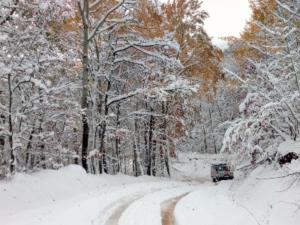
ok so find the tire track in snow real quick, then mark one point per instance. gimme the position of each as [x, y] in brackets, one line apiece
[117, 209]
[128, 193]
[148, 209]
[117, 213]
[168, 208]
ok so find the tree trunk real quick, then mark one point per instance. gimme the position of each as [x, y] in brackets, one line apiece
[103, 125]
[212, 131]
[136, 146]
[164, 151]
[151, 163]
[28, 149]
[10, 127]
[205, 141]
[135, 149]
[117, 139]
[85, 74]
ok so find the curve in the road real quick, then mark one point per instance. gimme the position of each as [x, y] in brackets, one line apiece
[114, 218]
[128, 211]
[167, 210]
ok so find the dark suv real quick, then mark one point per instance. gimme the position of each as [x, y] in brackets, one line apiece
[221, 171]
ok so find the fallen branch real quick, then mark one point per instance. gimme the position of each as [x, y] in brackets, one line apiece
[279, 177]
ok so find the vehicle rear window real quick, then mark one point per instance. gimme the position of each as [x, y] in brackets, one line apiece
[222, 168]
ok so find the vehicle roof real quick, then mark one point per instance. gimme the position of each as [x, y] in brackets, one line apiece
[220, 164]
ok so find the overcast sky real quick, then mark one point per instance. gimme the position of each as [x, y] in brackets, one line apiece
[227, 17]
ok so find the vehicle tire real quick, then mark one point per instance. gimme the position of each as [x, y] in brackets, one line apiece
[214, 180]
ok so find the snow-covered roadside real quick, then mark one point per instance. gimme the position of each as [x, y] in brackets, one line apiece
[272, 200]
[260, 198]
[211, 206]
[72, 197]
[68, 196]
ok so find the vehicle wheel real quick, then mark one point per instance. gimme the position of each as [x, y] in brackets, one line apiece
[214, 180]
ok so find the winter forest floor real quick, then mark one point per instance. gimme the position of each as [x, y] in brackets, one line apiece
[71, 197]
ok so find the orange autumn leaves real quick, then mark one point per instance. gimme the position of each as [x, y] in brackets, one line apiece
[181, 18]
[254, 42]
[200, 59]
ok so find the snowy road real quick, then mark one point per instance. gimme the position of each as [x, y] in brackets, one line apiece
[187, 204]
[116, 214]
[71, 197]
[212, 205]
[167, 210]
[182, 205]
[122, 215]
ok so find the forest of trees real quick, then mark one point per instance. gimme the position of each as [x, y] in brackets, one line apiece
[121, 85]
[105, 84]
[268, 61]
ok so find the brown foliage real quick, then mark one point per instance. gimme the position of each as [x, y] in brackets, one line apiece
[253, 34]
[200, 59]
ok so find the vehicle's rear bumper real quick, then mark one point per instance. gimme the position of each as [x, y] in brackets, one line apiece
[223, 178]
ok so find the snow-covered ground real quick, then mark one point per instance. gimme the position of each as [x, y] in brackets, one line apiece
[69, 196]
[212, 206]
[249, 201]
[266, 196]
[72, 197]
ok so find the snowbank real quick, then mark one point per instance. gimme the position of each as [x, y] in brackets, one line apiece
[267, 196]
[211, 206]
[68, 196]
[289, 146]
[270, 196]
